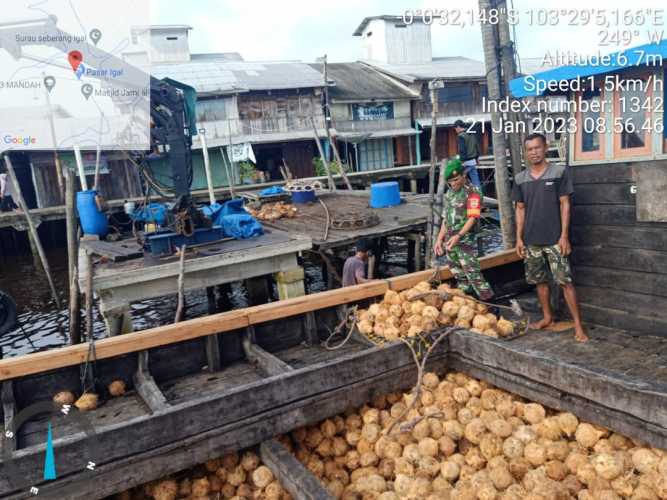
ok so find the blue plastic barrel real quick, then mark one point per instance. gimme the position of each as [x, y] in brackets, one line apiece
[303, 196]
[385, 194]
[92, 220]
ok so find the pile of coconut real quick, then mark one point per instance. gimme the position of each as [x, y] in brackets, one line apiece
[466, 440]
[422, 309]
[237, 476]
[274, 211]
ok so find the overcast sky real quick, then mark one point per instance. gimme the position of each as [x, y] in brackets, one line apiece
[307, 29]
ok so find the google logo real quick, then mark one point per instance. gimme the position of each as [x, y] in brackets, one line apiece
[23, 141]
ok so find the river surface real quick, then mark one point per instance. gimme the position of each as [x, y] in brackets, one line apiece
[43, 326]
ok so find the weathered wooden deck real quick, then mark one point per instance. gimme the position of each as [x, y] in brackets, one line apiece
[120, 283]
[311, 219]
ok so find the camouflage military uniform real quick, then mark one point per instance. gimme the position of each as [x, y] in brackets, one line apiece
[462, 259]
[536, 267]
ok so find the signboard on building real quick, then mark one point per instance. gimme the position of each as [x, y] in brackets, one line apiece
[379, 111]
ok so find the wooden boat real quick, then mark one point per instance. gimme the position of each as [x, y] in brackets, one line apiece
[207, 386]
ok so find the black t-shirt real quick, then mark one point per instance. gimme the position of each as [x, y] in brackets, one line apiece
[542, 199]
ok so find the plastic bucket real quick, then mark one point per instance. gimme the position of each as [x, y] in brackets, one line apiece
[92, 220]
[385, 194]
[304, 196]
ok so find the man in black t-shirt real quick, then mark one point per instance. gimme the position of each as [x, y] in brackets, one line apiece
[542, 195]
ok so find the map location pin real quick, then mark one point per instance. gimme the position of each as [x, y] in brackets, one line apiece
[87, 90]
[95, 35]
[75, 58]
[49, 83]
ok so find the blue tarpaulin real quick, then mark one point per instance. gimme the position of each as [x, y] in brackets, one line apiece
[271, 190]
[154, 212]
[643, 55]
[235, 221]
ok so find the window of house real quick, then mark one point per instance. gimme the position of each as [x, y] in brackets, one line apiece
[589, 139]
[455, 93]
[632, 118]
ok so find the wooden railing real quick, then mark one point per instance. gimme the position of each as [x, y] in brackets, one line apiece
[224, 322]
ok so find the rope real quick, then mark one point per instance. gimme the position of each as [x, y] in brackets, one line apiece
[349, 320]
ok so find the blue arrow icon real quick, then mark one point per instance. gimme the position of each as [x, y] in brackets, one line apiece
[49, 460]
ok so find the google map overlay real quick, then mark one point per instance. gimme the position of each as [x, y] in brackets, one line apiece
[66, 79]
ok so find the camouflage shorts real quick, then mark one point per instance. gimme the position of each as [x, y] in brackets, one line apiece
[539, 257]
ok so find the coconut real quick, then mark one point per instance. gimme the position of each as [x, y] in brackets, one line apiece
[501, 477]
[608, 466]
[533, 413]
[481, 322]
[461, 395]
[491, 446]
[500, 428]
[568, 423]
[587, 435]
[474, 430]
[368, 459]
[519, 467]
[64, 398]
[525, 434]
[644, 460]
[504, 327]
[200, 487]
[450, 308]
[461, 323]
[430, 312]
[513, 447]
[87, 402]
[428, 447]
[429, 325]
[417, 307]
[237, 476]
[391, 297]
[466, 313]
[414, 331]
[165, 490]
[450, 470]
[535, 453]
[116, 388]
[365, 327]
[453, 429]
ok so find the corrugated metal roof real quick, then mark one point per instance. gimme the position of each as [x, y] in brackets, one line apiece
[631, 58]
[356, 81]
[440, 67]
[222, 76]
[399, 19]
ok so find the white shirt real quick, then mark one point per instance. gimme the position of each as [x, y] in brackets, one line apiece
[6, 185]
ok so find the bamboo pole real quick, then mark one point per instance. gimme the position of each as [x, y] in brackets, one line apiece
[207, 167]
[503, 191]
[56, 160]
[79, 165]
[96, 179]
[332, 184]
[181, 288]
[72, 259]
[89, 296]
[33, 230]
[230, 180]
[431, 172]
[327, 125]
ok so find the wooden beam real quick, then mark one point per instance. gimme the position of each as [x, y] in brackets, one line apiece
[291, 473]
[265, 361]
[9, 411]
[310, 329]
[224, 322]
[146, 386]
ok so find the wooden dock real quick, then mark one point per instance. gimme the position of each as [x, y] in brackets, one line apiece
[118, 284]
[311, 219]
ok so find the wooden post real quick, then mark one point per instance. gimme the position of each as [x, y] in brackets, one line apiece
[327, 125]
[325, 162]
[290, 283]
[89, 296]
[181, 287]
[503, 191]
[56, 160]
[82, 171]
[72, 253]
[509, 72]
[207, 167]
[96, 178]
[438, 197]
[33, 229]
[433, 85]
[229, 170]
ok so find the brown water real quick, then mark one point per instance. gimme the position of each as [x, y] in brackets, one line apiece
[44, 326]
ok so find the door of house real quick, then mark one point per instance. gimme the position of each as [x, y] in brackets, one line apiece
[375, 154]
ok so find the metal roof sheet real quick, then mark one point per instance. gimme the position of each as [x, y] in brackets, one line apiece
[440, 67]
[356, 81]
[632, 57]
[224, 76]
